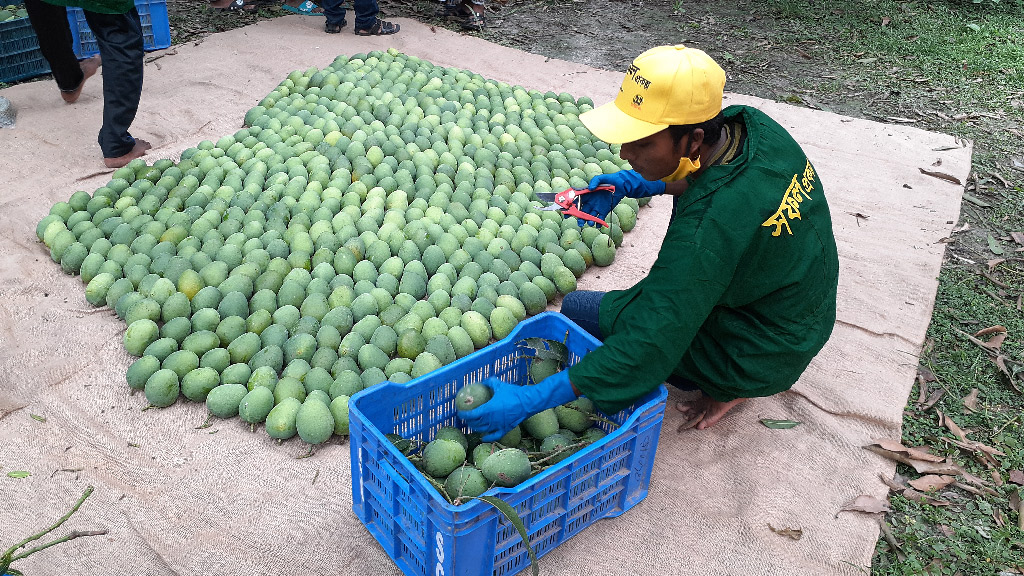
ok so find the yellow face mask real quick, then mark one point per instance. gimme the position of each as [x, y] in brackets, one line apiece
[686, 167]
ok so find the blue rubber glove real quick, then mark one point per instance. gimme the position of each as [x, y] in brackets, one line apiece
[627, 183]
[511, 404]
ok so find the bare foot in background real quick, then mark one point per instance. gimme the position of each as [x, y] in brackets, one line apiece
[89, 67]
[705, 412]
[139, 150]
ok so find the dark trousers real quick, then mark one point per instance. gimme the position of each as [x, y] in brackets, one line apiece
[583, 308]
[366, 12]
[54, 33]
[119, 37]
[120, 40]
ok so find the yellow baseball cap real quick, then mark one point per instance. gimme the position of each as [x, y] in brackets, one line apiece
[664, 86]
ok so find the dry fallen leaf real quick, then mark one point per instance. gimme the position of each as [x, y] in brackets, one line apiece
[941, 176]
[911, 494]
[921, 466]
[993, 263]
[793, 533]
[1017, 477]
[897, 483]
[998, 335]
[933, 398]
[945, 420]
[891, 540]
[968, 477]
[1011, 375]
[925, 375]
[1010, 368]
[859, 216]
[975, 446]
[971, 401]
[885, 21]
[946, 530]
[1018, 237]
[868, 504]
[932, 482]
[917, 454]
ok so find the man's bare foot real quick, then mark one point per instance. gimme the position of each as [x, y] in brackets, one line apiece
[705, 412]
[89, 67]
[139, 150]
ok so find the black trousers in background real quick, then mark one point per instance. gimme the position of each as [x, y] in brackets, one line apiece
[119, 37]
[55, 42]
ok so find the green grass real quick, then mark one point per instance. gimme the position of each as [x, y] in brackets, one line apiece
[957, 59]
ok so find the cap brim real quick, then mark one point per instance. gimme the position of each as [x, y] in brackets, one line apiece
[614, 126]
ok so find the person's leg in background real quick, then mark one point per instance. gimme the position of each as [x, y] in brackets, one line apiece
[368, 22]
[51, 26]
[121, 46]
[334, 11]
[582, 307]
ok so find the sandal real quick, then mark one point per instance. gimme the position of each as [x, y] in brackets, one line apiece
[475, 21]
[307, 8]
[379, 28]
[334, 28]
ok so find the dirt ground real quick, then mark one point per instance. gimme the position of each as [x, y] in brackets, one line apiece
[608, 34]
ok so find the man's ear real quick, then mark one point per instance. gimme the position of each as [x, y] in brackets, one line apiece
[696, 140]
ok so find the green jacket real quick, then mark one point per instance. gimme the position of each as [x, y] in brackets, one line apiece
[743, 292]
[101, 6]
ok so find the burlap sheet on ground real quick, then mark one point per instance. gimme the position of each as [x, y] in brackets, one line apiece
[221, 500]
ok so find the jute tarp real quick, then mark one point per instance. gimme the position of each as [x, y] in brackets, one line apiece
[177, 499]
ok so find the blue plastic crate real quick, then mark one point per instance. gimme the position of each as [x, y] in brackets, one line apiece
[156, 28]
[426, 535]
[20, 57]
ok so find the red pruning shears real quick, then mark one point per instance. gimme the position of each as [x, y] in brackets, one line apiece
[567, 202]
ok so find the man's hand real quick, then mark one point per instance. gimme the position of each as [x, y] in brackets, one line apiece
[511, 404]
[627, 183]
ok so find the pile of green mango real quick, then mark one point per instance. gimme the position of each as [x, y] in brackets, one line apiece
[373, 220]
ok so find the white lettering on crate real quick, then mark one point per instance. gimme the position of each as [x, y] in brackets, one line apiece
[439, 571]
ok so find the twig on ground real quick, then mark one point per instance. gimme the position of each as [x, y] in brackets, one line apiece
[887, 534]
[1008, 422]
[9, 555]
[159, 56]
[994, 281]
[54, 473]
[973, 490]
